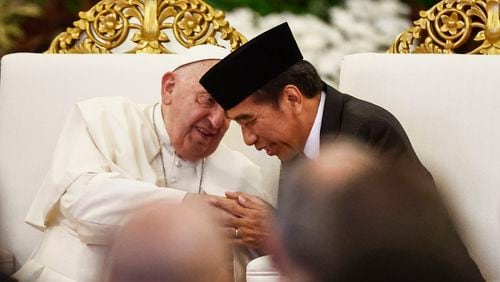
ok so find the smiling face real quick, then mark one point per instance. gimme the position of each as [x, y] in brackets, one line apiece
[281, 130]
[194, 121]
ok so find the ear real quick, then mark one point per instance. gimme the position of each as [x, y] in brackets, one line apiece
[167, 87]
[292, 98]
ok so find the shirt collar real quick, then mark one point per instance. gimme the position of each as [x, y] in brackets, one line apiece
[311, 149]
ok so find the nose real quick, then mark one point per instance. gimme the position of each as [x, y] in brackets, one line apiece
[248, 136]
[217, 118]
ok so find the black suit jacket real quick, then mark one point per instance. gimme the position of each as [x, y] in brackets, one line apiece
[367, 123]
[364, 122]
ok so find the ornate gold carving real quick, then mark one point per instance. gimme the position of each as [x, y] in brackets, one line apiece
[454, 26]
[149, 24]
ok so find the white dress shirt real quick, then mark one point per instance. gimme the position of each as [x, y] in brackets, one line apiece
[311, 149]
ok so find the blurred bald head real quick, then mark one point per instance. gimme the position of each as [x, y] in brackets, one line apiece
[350, 215]
[165, 242]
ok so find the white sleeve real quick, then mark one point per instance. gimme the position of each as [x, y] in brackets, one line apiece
[98, 203]
[86, 185]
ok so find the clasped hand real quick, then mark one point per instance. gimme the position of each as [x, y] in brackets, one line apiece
[245, 218]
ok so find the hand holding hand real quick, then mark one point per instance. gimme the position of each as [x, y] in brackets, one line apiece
[248, 224]
[204, 201]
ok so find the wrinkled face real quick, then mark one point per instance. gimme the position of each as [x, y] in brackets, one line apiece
[195, 122]
[268, 127]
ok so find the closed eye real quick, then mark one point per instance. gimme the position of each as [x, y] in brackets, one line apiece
[247, 122]
[244, 119]
[206, 100]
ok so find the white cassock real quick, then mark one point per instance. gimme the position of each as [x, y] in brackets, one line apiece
[107, 163]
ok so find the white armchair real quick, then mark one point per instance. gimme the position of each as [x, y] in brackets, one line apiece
[448, 105]
[261, 270]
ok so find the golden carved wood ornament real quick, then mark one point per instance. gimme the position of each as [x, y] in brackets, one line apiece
[454, 26]
[149, 24]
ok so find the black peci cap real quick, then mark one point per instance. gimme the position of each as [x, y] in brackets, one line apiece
[251, 66]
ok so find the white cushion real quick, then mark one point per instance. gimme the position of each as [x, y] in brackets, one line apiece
[36, 93]
[262, 270]
[449, 106]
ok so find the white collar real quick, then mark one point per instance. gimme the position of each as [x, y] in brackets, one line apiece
[311, 150]
[161, 130]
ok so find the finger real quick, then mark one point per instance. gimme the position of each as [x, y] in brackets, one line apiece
[247, 200]
[233, 195]
[223, 217]
[230, 206]
[251, 202]
[235, 237]
[230, 233]
[236, 195]
[234, 221]
[252, 238]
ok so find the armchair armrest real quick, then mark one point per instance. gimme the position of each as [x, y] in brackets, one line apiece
[262, 270]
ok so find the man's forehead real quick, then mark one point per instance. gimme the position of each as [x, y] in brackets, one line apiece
[232, 114]
[239, 116]
[244, 110]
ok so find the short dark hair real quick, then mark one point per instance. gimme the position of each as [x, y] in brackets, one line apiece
[302, 74]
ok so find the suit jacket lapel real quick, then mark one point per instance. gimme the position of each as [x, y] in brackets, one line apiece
[332, 114]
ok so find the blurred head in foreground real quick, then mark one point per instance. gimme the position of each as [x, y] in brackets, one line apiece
[165, 242]
[349, 216]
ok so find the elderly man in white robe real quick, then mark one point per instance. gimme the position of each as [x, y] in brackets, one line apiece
[115, 155]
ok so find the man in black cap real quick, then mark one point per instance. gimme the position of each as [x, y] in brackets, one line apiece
[284, 107]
